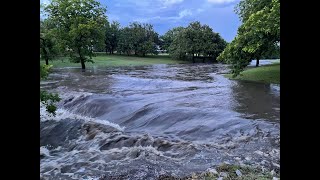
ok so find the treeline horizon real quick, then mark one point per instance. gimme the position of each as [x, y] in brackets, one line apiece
[78, 28]
[141, 39]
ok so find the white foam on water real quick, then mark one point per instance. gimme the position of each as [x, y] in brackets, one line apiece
[65, 114]
[81, 170]
[52, 165]
[44, 151]
[91, 178]
[65, 93]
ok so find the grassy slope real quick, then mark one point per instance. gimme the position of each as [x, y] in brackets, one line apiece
[266, 74]
[248, 173]
[117, 60]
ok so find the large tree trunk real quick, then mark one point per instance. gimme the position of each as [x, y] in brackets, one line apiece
[47, 61]
[46, 58]
[111, 50]
[83, 65]
[45, 51]
[257, 62]
[193, 58]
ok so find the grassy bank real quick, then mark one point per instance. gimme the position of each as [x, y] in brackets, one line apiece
[266, 74]
[228, 172]
[116, 60]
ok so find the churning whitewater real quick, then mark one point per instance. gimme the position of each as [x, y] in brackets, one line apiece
[147, 121]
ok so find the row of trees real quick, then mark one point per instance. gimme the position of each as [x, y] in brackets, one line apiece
[139, 39]
[257, 37]
[77, 28]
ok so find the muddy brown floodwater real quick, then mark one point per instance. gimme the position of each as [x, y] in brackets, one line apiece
[147, 121]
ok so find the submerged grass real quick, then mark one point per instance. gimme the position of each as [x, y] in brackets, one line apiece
[266, 74]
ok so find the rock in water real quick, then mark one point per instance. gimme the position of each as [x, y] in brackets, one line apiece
[213, 171]
[259, 153]
[223, 174]
[238, 172]
[272, 172]
[275, 164]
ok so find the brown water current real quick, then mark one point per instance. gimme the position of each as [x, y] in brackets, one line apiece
[145, 121]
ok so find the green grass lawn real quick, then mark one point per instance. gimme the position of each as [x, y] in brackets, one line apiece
[117, 60]
[266, 74]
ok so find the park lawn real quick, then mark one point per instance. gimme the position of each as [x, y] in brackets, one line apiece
[266, 74]
[117, 60]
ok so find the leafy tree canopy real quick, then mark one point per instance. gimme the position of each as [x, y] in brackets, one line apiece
[194, 39]
[46, 98]
[257, 37]
[78, 25]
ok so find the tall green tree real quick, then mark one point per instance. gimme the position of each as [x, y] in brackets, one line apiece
[125, 41]
[79, 24]
[144, 38]
[192, 35]
[168, 37]
[261, 27]
[212, 43]
[48, 48]
[234, 55]
[112, 36]
[196, 40]
[177, 48]
[258, 36]
[137, 38]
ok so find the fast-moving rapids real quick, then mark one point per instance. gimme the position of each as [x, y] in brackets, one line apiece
[143, 122]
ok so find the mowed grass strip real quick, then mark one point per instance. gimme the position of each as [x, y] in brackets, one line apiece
[265, 74]
[117, 60]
